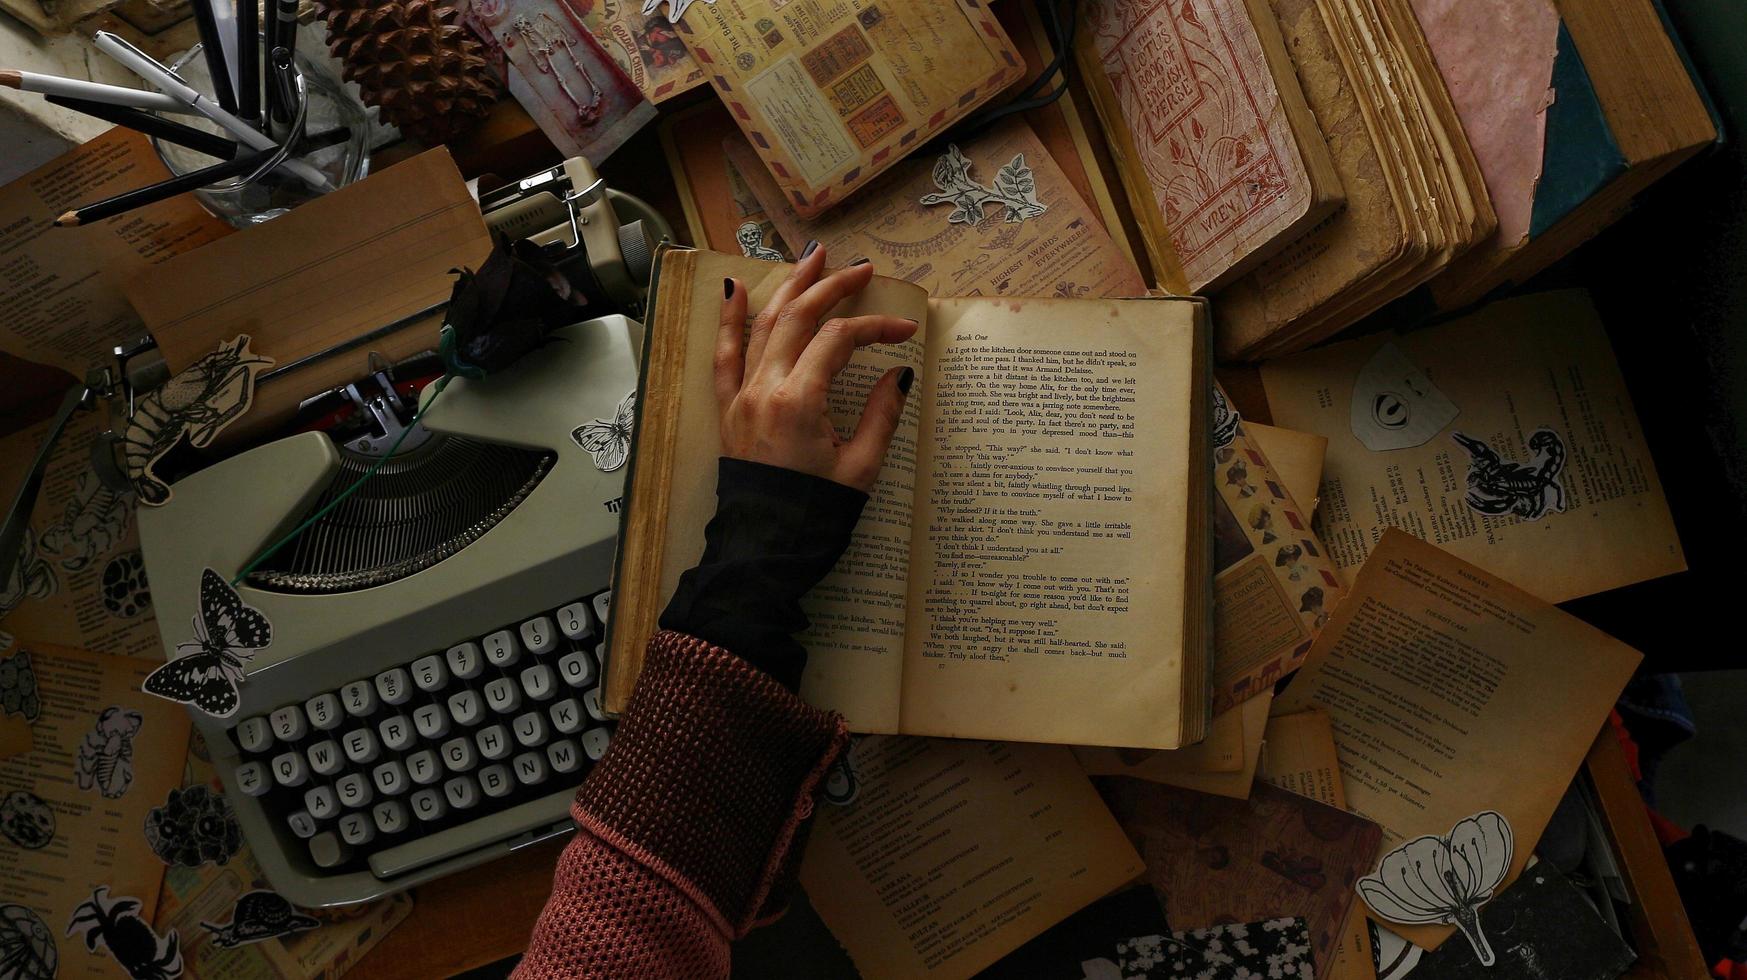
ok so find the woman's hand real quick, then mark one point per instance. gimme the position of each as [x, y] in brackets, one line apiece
[772, 381]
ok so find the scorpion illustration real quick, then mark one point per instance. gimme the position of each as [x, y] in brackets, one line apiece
[198, 403]
[1528, 490]
[118, 926]
[91, 526]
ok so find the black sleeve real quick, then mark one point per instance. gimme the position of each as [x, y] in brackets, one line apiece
[776, 533]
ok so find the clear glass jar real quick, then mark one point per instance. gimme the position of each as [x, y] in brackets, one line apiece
[242, 203]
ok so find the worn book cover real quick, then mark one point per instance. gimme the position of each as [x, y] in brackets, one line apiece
[830, 95]
[1029, 543]
[1221, 158]
[994, 217]
[936, 857]
[1215, 860]
[645, 44]
[1435, 675]
[1506, 437]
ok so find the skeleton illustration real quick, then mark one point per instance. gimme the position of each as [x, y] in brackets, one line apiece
[106, 756]
[92, 525]
[1530, 491]
[544, 37]
[197, 403]
[117, 926]
[1015, 189]
[750, 235]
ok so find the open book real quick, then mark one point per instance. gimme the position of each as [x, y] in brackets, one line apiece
[1035, 562]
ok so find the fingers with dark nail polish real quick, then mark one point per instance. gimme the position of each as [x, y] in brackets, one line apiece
[906, 378]
[727, 289]
[864, 260]
[812, 246]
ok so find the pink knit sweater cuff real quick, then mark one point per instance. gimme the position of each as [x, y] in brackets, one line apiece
[711, 777]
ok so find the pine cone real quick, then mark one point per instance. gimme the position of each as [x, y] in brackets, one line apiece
[416, 60]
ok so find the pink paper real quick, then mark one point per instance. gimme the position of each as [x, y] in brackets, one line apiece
[1496, 57]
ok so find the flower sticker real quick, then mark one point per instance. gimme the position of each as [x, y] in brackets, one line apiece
[1015, 190]
[1445, 880]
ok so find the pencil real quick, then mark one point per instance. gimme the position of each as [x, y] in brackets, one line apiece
[192, 180]
[213, 49]
[144, 122]
[30, 81]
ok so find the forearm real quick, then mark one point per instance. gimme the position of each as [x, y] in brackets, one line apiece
[689, 824]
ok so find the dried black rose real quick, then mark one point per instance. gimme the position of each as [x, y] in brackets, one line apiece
[193, 827]
[506, 309]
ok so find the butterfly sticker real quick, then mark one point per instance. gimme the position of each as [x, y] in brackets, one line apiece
[206, 671]
[609, 442]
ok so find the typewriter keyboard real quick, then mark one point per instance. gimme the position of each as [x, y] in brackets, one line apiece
[448, 741]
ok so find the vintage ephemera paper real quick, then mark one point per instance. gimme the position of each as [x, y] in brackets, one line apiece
[1541, 476]
[831, 94]
[583, 101]
[73, 810]
[80, 580]
[646, 46]
[61, 287]
[1435, 675]
[960, 224]
[936, 857]
[1203, 114]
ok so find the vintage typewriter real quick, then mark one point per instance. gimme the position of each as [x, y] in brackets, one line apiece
[430, 698]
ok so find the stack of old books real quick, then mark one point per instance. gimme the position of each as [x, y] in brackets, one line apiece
[1309, 161]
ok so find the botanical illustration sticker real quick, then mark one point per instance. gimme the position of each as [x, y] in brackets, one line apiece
[1528, 490]
[1014, 189]
[26, 820]
[1445, 880]
[609, 440]
[27, 947]
[29, 578]
[196, 404]
[115, 925]
[18, 693]
[92, 524]
[227, 634]
[750, 235]
[258, 915]
[105, 761]
[675, 8]
[195, 826]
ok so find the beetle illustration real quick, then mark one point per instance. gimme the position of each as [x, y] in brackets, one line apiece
[117, 926]
[1499, 486]
[106, 756]
[258, 915]
[198, 403]
[26, 820]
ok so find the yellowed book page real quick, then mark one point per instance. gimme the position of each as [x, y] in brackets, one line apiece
[1221, 751]
[209, 893]
[1436, 675]
[76, 802]
[1053, 524]
[1254, 715]
[856, 642]
[1296, 456]
[1536, 469]
[947, 855]
[83, 583]
[1007, 222]
[1298, 755]
[834, 93]
[61, 288]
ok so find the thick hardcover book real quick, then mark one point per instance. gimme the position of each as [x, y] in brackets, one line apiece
[1040, 535]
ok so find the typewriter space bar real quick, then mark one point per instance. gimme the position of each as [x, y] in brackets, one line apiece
[534, 816]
